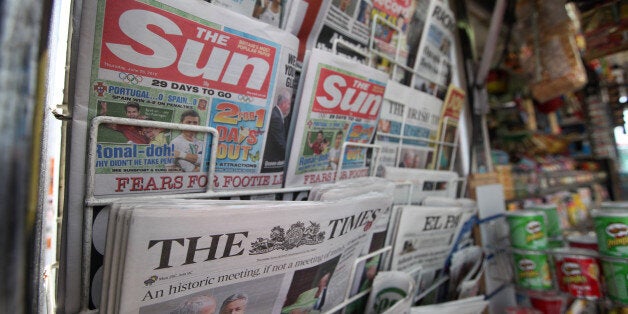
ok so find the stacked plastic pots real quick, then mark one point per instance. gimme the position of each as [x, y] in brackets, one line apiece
[611, 228]
[529, 242]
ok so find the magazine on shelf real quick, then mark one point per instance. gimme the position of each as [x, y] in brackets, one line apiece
[281, 256]
[188, 62]
[435, 61]
[448, 127]
[343, 20]
[339, 102]
[389, 23]
[408, 127]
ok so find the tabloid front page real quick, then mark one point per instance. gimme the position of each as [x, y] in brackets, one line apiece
[448, 127]
[389, 22]
[408, 122]
[280, 257]
[340, 102]
[435, 57]
[192, 63]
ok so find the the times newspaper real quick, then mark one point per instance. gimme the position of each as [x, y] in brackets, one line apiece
[277, 258]
[193, 63]
[435, 57]
[407, 127]
[340, 101]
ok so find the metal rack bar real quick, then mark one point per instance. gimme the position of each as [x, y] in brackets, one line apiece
[339, 41]
[91, 200]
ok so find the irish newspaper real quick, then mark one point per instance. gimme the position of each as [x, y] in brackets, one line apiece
[268, 258]
[407, 127]
[193, 63]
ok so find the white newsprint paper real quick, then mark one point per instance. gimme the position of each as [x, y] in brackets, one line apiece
[391, 293]
[471, 305]
[266, 258]
[187, 62]
[408, 127]
[425, 236]
[340, 102]
[414, 185]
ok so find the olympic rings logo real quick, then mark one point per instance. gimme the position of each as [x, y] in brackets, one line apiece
[245, 98]
[130, 78]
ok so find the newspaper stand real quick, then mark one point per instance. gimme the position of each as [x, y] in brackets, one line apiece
[91, 200]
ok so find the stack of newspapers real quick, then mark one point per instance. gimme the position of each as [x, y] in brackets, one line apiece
[184, 256]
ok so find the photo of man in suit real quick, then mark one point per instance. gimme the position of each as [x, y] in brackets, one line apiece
[275, 150]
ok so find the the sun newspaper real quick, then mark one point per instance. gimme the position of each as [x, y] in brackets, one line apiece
[268, 257]
[339, 102]
[407, 127]
[187, 62]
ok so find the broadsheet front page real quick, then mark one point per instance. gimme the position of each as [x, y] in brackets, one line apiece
[340, 102]
[425, 236]
[280, 257]
[408, 122]
[192, 63]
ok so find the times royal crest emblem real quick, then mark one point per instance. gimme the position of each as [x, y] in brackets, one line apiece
[298, 234]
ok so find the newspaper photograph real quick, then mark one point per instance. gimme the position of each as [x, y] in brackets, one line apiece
[318, 24]
[191, 63]
[268, 11]
[415, 31]
[278, 258]
[407, 127]
[448, 127]
[435, 56]
[340, 102]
